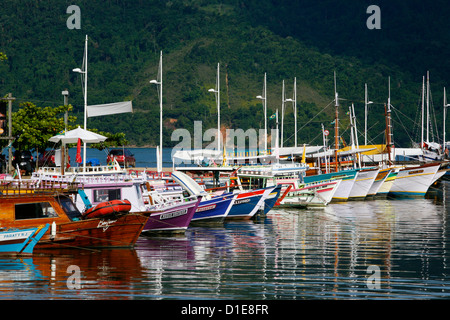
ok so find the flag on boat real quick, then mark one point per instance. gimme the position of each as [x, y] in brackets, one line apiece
[109, 108]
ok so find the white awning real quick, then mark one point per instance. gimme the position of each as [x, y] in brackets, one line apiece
[109, 108]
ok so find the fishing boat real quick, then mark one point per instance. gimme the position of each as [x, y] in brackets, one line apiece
[21, 241]
[308, 195]
[342, 192]
[248, 203]
[363, 183]
[170, 211]
[414, 181]
[256, 180]
[381, 177]
[211, 208]
[386, 185]
[294, 192]
[166, 212]
[68, 228]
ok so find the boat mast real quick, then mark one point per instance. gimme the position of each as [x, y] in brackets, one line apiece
[352, 134]
[336, 126]
[295, 111]
[388, 123]
[218, 107]
[160, 115]
[325, 147]
[423, 111]
[445, 116]
[282, 116]
[365, 114]
[265, 112]
[355, 130]
[428, 106]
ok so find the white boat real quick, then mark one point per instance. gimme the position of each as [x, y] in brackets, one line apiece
[363, 183]
[342, 192]
[414, 181]
[386, 185]
[311, 195]
[382, 175]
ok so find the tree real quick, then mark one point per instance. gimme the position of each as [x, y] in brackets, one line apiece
[33, 126]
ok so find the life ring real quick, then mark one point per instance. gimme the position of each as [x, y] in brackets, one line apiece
[106, 208]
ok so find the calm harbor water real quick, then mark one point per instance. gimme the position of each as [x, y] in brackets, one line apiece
[290, 255]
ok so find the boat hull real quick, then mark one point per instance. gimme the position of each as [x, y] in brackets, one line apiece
[271, 198]
[68, 229]
[363, 183]
[347, 178]
[383, 174]
[386, 185]
[214, 210]
[311, 196]
[172, 219]
[246, 205]
[414, 182]
[21, 242]
[111, 232]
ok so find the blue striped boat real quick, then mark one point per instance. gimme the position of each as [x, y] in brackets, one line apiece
[21, 241]
[215, 209]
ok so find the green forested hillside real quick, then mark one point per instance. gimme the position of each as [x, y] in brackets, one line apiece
[308, 40]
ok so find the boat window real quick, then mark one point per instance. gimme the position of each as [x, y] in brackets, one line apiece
[69, 208]
[106, 195]
[34, 211]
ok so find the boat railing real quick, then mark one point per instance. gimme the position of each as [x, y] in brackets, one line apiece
[158, 199]
[108, 169]
[29, 186]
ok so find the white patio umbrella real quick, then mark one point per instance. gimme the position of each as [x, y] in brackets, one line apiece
[72, 136]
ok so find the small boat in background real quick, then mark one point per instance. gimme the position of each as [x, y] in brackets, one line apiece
[21, 241]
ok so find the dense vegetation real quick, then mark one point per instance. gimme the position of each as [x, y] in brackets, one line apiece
[308, 40]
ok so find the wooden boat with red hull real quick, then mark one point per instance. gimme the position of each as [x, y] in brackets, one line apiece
[68, 228]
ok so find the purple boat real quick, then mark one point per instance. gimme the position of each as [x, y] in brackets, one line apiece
[173, 217]
[167, 212]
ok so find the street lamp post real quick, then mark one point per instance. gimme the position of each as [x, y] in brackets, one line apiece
[85, 72]
[264, 98]
[366, 104]
[160, 83]
[217, 92]
[65, 93]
